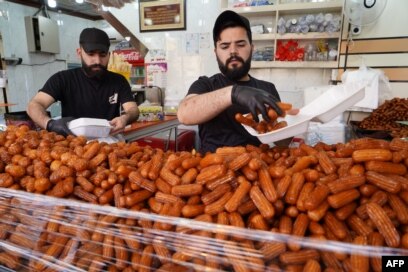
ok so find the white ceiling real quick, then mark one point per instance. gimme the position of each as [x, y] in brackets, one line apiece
[85, 10]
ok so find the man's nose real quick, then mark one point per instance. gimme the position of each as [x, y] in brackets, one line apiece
[233, 50]
[97, 59]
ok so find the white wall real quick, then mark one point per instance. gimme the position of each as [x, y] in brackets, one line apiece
[393, 22]
[25, 80]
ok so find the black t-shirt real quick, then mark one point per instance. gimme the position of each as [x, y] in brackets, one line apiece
[223, 130]
[82, 96]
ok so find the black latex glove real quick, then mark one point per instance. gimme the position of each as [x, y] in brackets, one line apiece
[59, 126]
[255, 100]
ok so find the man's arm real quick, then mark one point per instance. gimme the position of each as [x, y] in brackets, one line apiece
[131, 113]
[37, 107]
[198, 108]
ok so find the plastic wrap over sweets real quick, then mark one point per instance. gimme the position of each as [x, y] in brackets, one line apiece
[68, 204]
[41, 233]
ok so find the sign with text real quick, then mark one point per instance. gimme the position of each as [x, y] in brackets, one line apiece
[162, 15]
[130, 55]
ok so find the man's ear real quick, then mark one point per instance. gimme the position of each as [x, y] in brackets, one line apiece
[78, 51]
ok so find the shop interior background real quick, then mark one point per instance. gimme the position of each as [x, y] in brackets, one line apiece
[184, 65]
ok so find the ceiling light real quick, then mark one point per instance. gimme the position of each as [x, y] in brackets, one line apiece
[60, 22]
[52, 3]
[127, 38]
[79, 1]
[4, 14]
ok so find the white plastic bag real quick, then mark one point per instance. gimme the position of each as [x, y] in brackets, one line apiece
[377, 88]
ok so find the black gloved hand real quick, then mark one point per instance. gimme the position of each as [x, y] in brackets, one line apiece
[60, 126]
[255, 100]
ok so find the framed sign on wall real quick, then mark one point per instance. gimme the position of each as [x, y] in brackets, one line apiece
[162, 15]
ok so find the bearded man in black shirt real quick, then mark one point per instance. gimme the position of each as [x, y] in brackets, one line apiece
[212, 102]
[89, 91]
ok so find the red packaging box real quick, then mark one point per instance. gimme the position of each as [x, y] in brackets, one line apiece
[185, 140]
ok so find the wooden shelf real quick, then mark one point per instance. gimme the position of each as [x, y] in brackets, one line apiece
[296, 8]
[293, 8]
[263, 37]
[294, 64]
[258, 10]
[308, 36]
[296, 36]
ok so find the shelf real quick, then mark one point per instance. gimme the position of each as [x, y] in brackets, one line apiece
[263, 37]
[330, 6]
[293, 8]
[296, 36]
[294, 64]
[308, 36]
[258, 10]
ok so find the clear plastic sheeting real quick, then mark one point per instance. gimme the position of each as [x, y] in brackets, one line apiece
[68, 204]
[42, 233]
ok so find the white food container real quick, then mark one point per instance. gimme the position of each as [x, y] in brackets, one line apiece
[323, 109]
[90, 127]
[334, 102]
[297, 124]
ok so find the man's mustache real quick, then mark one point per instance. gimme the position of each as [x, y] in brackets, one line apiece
[234, 59]
[96, 66]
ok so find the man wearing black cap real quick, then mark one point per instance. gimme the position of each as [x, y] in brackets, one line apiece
[90, 91]
[212, 102]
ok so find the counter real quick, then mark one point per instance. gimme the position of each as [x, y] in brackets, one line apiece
[139, 130]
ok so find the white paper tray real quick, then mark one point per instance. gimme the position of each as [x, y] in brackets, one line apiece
[297, 124]
[324, 108]
[334, 102]
[90, 127]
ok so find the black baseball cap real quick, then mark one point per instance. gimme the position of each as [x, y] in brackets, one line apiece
[230, 18]
[94, 39]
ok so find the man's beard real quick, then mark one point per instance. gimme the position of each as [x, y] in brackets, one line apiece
[94, 73]
[235, 73]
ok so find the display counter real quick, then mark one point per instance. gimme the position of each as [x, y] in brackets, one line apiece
[139, 130]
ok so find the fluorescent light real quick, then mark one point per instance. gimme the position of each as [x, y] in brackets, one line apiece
[60, 22]
[79, 1]
[52, 3]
